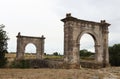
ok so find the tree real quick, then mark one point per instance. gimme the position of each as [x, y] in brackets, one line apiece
[114, 55]
[3, 46]
[85, 53]
[55, 53]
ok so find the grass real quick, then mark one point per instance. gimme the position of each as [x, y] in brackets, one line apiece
[53, 57]
[84, 73]
[12, 56]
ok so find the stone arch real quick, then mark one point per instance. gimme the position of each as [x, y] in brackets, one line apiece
[73, 30]
[87, 40]
[22, 41]
[94, 36]
[96, 42]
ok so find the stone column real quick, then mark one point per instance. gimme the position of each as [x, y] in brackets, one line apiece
[98, 55]
[43, 43]
[70, 47]
[66, 35]
[105, 51]
[38, 53]
[105, 42]
[76, 58]
[40, 48]
[19, 52]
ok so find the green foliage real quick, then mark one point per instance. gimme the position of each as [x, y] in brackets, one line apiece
[20, 64]
[45, 54]
[114, 55]
[3, 46]
[55, 53]
[85, 53]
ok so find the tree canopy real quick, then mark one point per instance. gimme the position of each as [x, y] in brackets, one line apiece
[114, 55]
[85, 53]
[55, 53]
[3, 46]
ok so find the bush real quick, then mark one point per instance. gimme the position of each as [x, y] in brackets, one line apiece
[84, 53]
[20, 64]
[55, 53]
[3, 62]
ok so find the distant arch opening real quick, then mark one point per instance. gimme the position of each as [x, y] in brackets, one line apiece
[30, 51]
[30, 48]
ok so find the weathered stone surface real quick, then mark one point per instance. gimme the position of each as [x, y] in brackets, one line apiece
[73, 30]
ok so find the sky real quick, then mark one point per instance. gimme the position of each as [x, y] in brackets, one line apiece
[42, 17]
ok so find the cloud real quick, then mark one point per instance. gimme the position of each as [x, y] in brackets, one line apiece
[36, 18]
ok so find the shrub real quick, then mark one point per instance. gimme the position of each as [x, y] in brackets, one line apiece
[20, 64]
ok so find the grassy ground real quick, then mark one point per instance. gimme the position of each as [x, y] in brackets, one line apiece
[12, 56]
[84, 73]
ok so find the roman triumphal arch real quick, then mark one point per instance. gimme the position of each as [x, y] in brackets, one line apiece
[22, 41]
[73, 30]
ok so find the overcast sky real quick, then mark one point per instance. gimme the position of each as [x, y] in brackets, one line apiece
[42, 17]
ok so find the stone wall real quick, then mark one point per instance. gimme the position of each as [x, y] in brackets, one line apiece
[92, 65]
[56, 64]
[37, 63]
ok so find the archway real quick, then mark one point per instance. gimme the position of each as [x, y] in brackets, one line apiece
[73, 30]
[87, 49]
[22, 41]
[87, 42]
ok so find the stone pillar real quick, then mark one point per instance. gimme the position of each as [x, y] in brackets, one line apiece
[66, 34]
[71, 57]
[20, 54]
[76, 57]
[40, 50]
[105, 43]
[98, 55]
[38, 54]
[106, 54]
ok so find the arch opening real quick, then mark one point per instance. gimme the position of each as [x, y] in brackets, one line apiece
[87, 47]
[30, 51]
[30, 48]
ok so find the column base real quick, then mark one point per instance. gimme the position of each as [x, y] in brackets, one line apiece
[71, 66]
